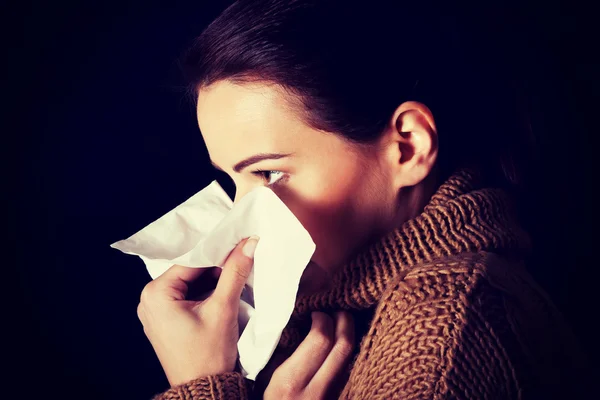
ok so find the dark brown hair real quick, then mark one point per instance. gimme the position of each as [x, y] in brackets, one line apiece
[351, 64]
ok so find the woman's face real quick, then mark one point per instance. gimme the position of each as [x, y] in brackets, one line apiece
[337, 190]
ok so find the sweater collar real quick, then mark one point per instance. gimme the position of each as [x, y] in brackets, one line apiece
[462, 216]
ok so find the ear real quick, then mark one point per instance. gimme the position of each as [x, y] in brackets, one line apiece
[411, 144]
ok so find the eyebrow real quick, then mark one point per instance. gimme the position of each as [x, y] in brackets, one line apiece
[253, 160]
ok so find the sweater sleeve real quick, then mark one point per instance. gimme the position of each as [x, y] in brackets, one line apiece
[228, 386]
[433, 337]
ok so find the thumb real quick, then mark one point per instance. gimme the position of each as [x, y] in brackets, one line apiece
[236, 271]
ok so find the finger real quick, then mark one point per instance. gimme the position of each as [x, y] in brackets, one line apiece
[174, 282]
[335, 365]
[304, 363]
[236, 271]
[264, 376]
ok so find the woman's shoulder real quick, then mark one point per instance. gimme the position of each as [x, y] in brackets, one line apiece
[458, 275]
[490, 283]
[433, 322]
[480, 304]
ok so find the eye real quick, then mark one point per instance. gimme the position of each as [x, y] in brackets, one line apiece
[272, 177]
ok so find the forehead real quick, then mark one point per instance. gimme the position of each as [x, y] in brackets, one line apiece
[241, 120]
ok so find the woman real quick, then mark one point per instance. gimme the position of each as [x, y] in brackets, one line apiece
[371, 127]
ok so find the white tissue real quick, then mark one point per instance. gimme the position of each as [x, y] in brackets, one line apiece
[202, 231]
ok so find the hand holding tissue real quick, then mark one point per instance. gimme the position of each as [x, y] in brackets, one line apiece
[202, 231]
[194, 337]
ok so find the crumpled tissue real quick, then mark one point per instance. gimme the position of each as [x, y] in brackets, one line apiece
[202, 231]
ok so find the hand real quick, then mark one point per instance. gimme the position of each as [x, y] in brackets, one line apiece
[318, 367]
[192, 338]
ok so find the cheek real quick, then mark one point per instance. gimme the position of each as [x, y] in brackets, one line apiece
[322, 200]
[329, 211]
[330, 226]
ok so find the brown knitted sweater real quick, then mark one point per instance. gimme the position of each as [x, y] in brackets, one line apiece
[444, 309]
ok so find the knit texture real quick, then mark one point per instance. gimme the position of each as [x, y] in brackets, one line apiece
[444, 309]
[219, 387]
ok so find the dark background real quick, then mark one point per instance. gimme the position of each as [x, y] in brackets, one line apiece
[100, 141]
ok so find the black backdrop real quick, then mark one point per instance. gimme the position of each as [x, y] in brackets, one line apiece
[100, 141]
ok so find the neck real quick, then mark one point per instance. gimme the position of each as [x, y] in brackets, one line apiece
[314, 279]
[414, 199]
[411, 203]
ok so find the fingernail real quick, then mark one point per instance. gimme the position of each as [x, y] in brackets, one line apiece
[250, 246]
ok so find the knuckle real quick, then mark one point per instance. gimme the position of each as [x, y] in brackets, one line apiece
[140, 312]
[148, 292]
[285, 387]
[321, 334]
[228, 311]
[240, 270]
[220, 311]
[343, 348]
[312, 392]
[320, 341]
